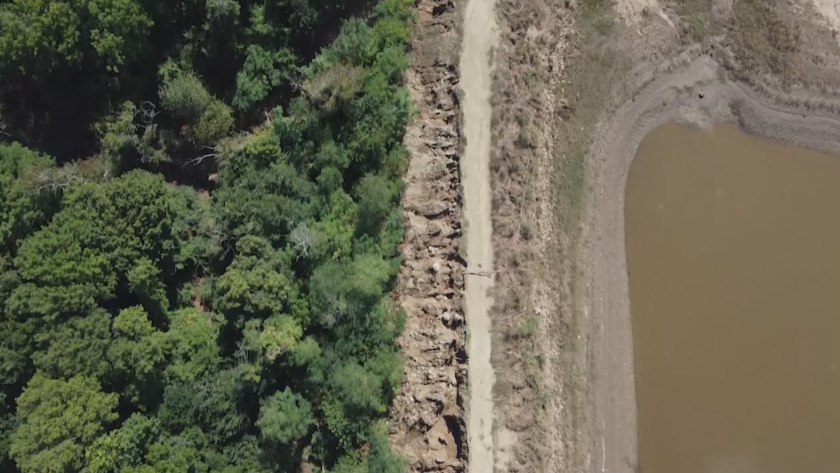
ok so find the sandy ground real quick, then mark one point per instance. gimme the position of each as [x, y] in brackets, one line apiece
[673, 97]
[631, 11]
[830, 10]
[479, 37]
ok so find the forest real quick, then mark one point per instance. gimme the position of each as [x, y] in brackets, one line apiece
[199, 230]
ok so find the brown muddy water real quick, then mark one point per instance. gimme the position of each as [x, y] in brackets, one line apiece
[733, 252]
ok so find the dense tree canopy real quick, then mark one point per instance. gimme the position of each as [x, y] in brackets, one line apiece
[199, 221]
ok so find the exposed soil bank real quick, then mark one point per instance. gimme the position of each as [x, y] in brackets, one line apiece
[693, 92]
[427, 423]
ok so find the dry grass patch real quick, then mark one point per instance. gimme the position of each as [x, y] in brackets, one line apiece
[556, 75]
[765, 36]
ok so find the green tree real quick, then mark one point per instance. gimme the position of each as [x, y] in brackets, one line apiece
[58, 421]
[189, 451]
[77, 346]
[211, 403]
[23, 206]
[182, 93]
[206, 119]
[381, 459]
[188, 300]
[130, 134]
[259, 283]
[138, 346]
[262, 71]
[98, 237]
[144, 281]
[137, 355]
[215, 123]
[271, 338]
[334, 231]
[377, 197]
[123, 448]
[285, 416]
[16, 345]
[345, 292]
[8, 424]
[359, 389]
[192, 347]
[261, 193]
[40, 36]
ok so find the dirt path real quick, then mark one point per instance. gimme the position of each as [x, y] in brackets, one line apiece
[480, 34]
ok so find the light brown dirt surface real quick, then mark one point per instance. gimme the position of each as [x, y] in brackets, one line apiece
[580, 83]
[634, 11]
[479, 37]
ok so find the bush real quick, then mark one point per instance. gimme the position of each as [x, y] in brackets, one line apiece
[525, 230]
[183, 94]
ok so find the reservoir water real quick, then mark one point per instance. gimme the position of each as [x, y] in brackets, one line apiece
[733, 252]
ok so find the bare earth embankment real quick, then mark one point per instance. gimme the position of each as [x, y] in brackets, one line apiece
[428, 417]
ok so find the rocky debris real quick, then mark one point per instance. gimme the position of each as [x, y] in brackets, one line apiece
[427, 423]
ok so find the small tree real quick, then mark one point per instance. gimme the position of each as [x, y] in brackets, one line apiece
[183, 94]
[285, 416]
[376, 199]
[262, 71]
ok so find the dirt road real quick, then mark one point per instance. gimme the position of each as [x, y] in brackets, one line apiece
[479, 36]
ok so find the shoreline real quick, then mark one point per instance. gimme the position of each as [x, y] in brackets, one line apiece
[671, 97]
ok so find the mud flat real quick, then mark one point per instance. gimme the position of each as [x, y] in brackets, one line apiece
[694, 91]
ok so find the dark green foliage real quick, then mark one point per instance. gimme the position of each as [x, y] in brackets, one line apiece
[42, 36]
[262, 71]
[259, 283]
[377, 198]
[203, 119]
[191, 340]
[195, 296]
[136, 355]
[209, 402]
[285, 416]
[346, 291]
[79, 346]
[23, 206]
[260, 192]
[125, 447]
[8, 424]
